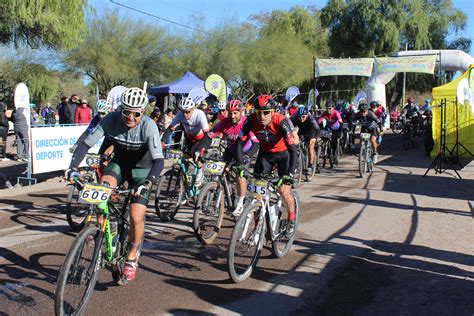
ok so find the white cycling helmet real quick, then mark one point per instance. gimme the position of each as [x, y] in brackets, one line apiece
[102, 106]
[221, 105]
[186, 104]
[134, 99]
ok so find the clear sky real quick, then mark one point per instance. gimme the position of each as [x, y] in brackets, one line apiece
[216, 11]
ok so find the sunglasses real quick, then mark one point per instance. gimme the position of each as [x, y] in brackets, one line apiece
[127, 113]
[263, 112]
[102, 114]
[222, 111]
[186, 112]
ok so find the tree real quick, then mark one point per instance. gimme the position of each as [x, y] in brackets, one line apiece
[50, 23]
[271, 68]
[118, 51]
[368, 28]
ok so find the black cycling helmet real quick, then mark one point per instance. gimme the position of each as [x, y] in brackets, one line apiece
[363, 107]
[329, 104]
[373, 104]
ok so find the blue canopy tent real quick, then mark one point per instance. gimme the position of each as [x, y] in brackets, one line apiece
[181, 85]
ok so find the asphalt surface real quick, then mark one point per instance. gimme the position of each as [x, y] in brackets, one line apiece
[393, 243]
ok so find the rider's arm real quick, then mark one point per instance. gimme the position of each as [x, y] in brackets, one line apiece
[89, 141]
[285, 130]
[338, 116]
[154, 146]
[239, 151]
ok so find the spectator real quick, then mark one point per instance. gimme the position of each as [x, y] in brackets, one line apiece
[48, 114]
[166, 121]
[169, 102]
[35, 117]
[3, 130]
[61, 109]
[20, 122]
[70, 109]
[83, 113]
[151, 106]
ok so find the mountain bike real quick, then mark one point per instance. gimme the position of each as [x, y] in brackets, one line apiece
[324, 156]
[264, 216]
[75, 211]
[366, 162]
[345, 142]
[411, 132]
[303, 164]
[102, 243]
[217, 197]
[176, 186]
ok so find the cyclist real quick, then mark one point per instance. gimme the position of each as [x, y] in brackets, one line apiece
[333, 120]
[277, 147]
[308, 130]
[221, 113]
[138, 160]
[369, 124]
[231, 127]
[291, 110]
[194, 123]
[412, 112]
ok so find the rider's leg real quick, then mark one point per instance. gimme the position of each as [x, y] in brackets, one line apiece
[285, 191]
[137, 229]
[312, 154]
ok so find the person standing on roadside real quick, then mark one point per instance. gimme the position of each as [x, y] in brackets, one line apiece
[3, 130]
[70, 109]
[150, 108]
[20, 118]
[61, 109]
[83, 113]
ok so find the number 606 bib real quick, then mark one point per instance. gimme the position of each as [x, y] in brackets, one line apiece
[94, 194]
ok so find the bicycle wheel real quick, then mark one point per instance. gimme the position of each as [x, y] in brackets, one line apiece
[281, 245]
[363, 159]
[76, 213]
[209, 213]
[397, 127]
[318, 158]
[79, 272]
[169, 195]
[337, 153]
[300, 166]
[246, 243]
[370, 158]
[325, 153]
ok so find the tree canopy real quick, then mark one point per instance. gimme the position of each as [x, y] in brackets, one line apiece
[50, 23]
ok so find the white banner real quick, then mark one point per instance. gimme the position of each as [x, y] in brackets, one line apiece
[424, 64]
[50, 147]
[344, 67]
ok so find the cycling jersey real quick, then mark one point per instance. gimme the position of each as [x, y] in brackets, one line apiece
[194, 127]
[334, 120]
[232, 132]
[368, 122]
[137, 147]
[275, 137]
[308, 128]
[291, 110]
[409, 110]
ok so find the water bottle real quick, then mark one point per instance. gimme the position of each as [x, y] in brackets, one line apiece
[379, 139]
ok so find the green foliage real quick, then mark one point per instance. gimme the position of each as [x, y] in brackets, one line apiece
[51, 23]
[117, 51]
[273, 66]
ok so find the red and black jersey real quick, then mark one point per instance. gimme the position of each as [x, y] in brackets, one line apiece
[274, 137]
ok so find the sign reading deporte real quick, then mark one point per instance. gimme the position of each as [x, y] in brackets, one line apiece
[50, 147]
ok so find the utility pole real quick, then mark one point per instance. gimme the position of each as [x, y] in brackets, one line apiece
[404, 80]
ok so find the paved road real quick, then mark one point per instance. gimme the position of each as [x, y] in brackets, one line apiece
[393, 243]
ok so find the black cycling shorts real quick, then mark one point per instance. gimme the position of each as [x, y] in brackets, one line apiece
[133, 176]
[371, 130]
[307, 135]
[200, 146]
[266, 160]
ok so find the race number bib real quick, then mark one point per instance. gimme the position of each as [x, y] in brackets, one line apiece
[175, 155]
[94, 194]
[257, 188]
[214, 167]
[364, 136]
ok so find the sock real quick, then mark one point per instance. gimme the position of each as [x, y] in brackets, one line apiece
[291, 216]
[239, 200]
